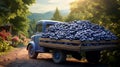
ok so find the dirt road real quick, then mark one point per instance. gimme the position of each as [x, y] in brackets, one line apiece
[19, 58]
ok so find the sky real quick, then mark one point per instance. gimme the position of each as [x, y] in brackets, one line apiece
[42, 6]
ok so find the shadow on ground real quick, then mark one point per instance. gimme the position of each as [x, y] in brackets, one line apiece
[47, 62]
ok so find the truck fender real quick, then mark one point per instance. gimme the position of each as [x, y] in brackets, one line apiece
[31, 43]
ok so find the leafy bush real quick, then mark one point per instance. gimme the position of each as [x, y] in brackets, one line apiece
[111, 58]
[23, 39]
[4, 45]
[5, 35]
[15, 41]
[5, 40]
[19, 40]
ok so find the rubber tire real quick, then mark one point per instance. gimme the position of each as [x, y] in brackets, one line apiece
[93, 56]
[77, 56]
[59, 56]
[31, 52]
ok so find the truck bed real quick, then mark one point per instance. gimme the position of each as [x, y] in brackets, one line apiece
[76, 45]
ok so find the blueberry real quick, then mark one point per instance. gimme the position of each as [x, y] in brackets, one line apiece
[78, 30]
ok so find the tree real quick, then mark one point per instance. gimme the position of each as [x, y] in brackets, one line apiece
[15, 12]
[86, 10]
[20, 25]
[57, 16]
[102, 12]
[32, 27]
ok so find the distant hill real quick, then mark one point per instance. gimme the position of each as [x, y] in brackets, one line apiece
[47, 15]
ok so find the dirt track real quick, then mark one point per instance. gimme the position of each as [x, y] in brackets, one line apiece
[19, 58]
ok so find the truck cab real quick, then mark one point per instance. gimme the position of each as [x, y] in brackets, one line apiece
[33, 46]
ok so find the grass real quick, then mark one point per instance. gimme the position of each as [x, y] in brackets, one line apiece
[3, 53]
[12, 48]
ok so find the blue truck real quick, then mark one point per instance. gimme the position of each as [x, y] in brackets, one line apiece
[60, 50]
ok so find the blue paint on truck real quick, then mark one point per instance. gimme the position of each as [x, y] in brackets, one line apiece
[40, 27]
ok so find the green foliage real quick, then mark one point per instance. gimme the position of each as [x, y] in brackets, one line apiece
[13, 10]
[111, 57]
[32, 27]
[20, 24]
[92, 9]
[4, 45]
[57, 16]
[102, 12]
[15, 41]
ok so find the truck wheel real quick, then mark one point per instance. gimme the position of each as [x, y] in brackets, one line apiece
[93, 56]
[31, 52]
[59, 56]
[76, 56]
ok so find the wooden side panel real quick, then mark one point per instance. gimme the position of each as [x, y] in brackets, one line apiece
[47, 42]
[62, 40]
[60, 46]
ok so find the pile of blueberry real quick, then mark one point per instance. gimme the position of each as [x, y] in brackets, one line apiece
[78, 30]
